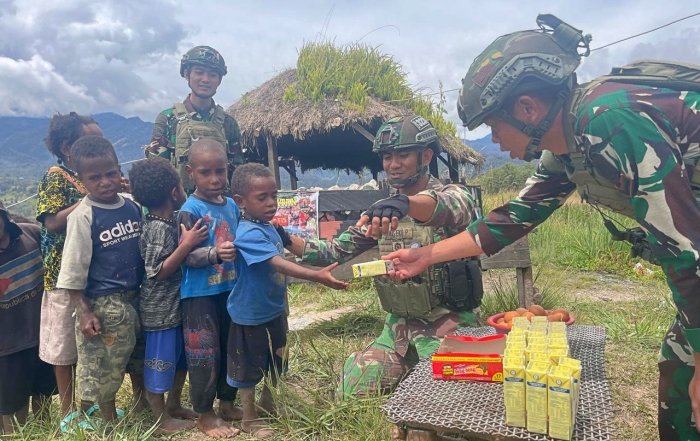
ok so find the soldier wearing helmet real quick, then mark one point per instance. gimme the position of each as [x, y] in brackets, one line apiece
[423, 210]
[198, 116]
[627, 141]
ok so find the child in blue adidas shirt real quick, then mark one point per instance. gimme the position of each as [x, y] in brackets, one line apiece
[258, 336]
[208, 275]
[102, 270]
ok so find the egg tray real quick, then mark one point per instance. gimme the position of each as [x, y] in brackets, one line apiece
[455, 408]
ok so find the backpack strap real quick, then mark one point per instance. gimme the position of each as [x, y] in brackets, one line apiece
[180, 112]
[76, 183]
[219, 116]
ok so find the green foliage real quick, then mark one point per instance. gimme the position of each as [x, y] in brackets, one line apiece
[355, 71]
[508, 177]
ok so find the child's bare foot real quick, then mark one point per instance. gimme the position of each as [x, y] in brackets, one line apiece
[213, 426]
[182, 412]
[257, 428]
[229, 412]
[173, 425]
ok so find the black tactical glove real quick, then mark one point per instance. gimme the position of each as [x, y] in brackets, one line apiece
[395, 206]
[286, 240]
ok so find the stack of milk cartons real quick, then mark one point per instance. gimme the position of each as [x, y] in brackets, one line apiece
[540, 380]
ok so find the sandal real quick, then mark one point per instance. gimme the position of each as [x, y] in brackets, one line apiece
[68, 424]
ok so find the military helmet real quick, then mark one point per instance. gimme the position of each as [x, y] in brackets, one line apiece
[406, 132]
[519, 63]
[203, 56]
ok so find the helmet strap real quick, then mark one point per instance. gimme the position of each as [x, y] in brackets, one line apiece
[536, 133]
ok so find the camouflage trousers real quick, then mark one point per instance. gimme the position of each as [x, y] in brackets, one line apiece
[676, 369]
[102, 360]
[386, 361]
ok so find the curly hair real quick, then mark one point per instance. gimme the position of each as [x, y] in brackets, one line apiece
[90, 147]
[152, 181]
[65, 129]
[244, 174]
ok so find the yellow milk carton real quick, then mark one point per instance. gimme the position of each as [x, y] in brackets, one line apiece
[373, 268]
[514, 391]
[540, 356]
[521, 322]
[561, 407]
[556, 354]
[540, 319]
[557, 326]
[576, 366]
[557, 343]
[536, 396]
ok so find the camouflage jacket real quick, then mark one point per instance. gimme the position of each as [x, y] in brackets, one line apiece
[645, 137]
[452, 215]
[165, 127]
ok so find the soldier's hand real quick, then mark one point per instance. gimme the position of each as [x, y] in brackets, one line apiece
[408, 262]
[90, 324]
[325, 277]
[384, 215]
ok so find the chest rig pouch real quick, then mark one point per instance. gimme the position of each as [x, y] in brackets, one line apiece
[418, 296]
[462, 285]
[189, 131]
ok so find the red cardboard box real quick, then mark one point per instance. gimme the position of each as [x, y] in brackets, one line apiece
[470, 358]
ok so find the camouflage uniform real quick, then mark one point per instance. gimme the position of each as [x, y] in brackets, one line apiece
[647, 141]
[384, 363]
[165, 127]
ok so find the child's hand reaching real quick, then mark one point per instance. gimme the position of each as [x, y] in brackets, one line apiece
[226, 251]
[325, 277]
[194, 236]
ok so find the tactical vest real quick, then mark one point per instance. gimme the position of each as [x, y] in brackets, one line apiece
[592, 187]
[418, 296]
[189, 131]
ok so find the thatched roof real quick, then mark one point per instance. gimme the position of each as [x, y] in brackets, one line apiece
[320, 135]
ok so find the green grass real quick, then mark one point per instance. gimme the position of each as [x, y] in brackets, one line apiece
[352, 73]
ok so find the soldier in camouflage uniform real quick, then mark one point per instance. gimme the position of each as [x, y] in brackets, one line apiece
[628, 147]
[198, 116]
[435, 211]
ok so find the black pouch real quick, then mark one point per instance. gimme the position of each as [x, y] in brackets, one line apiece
[463, 288]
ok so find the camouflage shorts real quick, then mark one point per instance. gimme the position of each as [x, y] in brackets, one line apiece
[102, 360]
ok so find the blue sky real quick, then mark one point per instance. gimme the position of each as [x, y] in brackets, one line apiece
[123, 55]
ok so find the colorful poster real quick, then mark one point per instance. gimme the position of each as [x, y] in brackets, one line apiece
[297, 212]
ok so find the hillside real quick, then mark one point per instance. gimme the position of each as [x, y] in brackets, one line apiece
[25, 155]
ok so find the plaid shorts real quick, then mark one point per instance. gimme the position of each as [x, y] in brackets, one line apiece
[102, 360]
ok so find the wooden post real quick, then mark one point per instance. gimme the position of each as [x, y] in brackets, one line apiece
[292, 174]
[273, 159]
[526, 289]
[453, 165]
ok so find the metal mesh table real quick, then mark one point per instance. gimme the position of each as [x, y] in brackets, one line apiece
[477, 409]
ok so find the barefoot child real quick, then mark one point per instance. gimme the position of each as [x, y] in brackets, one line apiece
[22, 373]
[156, 185]
[102, 269]
[60, 191]
[208, 276]
[258, 335]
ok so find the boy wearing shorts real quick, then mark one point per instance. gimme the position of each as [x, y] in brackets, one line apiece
[22, 373]
[156, 185]
[208, 275]
[258, 336]
[102, 269]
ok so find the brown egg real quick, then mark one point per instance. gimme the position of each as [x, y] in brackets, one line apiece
[555, 317]
[528, 315]
[564, 313]
[521, 311]
[510, 315]
[537, 310]
[500, 321]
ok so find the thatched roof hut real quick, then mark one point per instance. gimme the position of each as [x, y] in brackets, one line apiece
[332, 133]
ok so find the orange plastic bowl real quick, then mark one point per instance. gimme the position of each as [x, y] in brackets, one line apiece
[504, 329]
